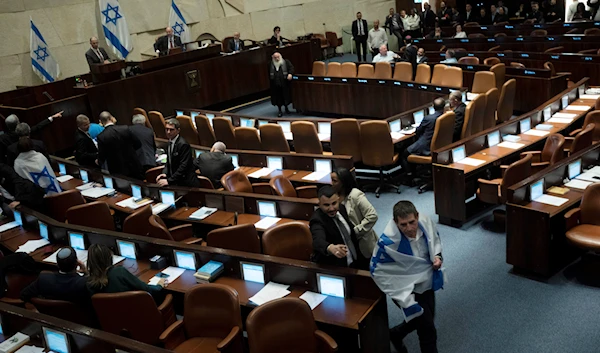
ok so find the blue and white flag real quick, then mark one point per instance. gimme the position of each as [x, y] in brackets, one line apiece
[115, 28]
[177, 22]
[42, 61]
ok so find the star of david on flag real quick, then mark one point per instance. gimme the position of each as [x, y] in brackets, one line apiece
[116, 15]
[115, 28]
[48, 182]
[42, 62]
[178, 23]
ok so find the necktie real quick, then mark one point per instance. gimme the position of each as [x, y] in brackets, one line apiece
[360, 31]
[171, 45]
[237, 45]
[99, 55]
[170, 161]
[346, 235]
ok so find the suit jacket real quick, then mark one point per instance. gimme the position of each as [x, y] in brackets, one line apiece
[423, 60]
[214, 165]
[58, 286]
[429, 19]
[389, 22]
[231, 46]
[92, 58]
[13, 152]
[500, 18]
[162, 44]
[23, 190]
[116, 147]
[424, 135]
[486, 20]
[538, 16]
[325, 232]
[180, 165]
[86, 151]
[147, 152]
[459, 121]
[9, 138]
[469, 17]
[410, 55]
[355, 28]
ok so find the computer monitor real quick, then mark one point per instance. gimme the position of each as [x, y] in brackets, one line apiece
[267, 208]
[210, 118]
[179, 112]
[167, 197]
[235, 160]
[565, 101]
[1, 328]
[193, 115]
[76, 240]
[459, 153]
[418, 116]
[184, 259]
[395, 126]
[18, 217]
[56, 341]
[547, 113]
[324, 128]
[43, 230]
[227, 117]
[136, 192]
[198, 153]
[84, 176]
[536, 189]
[253, 272]
[524, 125]
[331, 285]
[262, 122]
[274, 162]
[62, 169]
[286, 126]
[493, 138]
[126, 249]
[464, 98]
[108, 182]
[323, 165]
[245, 122]
[574, 169]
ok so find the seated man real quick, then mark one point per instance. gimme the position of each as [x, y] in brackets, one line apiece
[450, 57]
[23, 129]
[167, 42]
[66, 284]
[334, 240]
[458, 107]
[385, 55]
[215, 163]
[421, 58]
[19, 190]
[236, 44]
[147, 152]
[179, 169]
[86, 151]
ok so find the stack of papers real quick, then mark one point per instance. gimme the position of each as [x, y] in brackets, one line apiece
[323, 137]
[30, 349]
[471, 96]
[590, 96]
[173, 272]
[313, 299]
[159, 207]
[130, 202]
[579, 108]
[32, 245]
[288, 136]
[63, 178]
[7, 226]
[261, 173]
[534, 132]
[564, 115]
[560, 120]
[396, 134]
[511, 145]
[578, 184]
[589, 176]
[314, 176]
[271, 291]
[551, 200]
[85, 186]
[471, 161]
[203, 212]
[95, 193]
[266, 222]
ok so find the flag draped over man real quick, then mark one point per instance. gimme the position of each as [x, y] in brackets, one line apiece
[115, 28]
[42, 61]
[178, 23]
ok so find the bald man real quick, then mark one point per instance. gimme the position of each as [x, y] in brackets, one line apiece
[96, 55]
[167, 42]
[214, 164]
[236, 44]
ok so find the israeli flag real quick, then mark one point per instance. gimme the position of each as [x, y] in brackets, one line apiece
[177, 22]
[115, 28]
[42, 61]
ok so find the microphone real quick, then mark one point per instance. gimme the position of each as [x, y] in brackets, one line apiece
[48, 96]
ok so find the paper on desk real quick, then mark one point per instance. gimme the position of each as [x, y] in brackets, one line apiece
[579, 108]
[534, 132]
[132, 204]
[30, 349]
[203, 212]
[578, 184]
[323, 137]
[173, 272]
[564, 115]
[266, 222]
[81, 255]
[261, 172]
[97, 192]
[270, 291]
[85, 186]
[313, 299]
[471, 161]
[590, 96]
[551, 200]
[511, 145]
[396, 134]
[63, 178]
[9, 225]
[32, 245]
[288, 136]
[471, 96]
[560, 120]
[316, 176]
[589, 176]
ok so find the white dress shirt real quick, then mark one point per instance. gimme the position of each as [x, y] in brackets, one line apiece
[389, 57]
[411, 23]
[461, 34]
[377, 38]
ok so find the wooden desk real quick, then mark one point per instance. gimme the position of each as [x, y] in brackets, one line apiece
[514, 30]
[455, 184]
[535, 233]
[107, 72]
[213, 50]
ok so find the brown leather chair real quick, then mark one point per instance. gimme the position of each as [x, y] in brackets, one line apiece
[574, 31]
[158, 124]
[65, 310]
[348, 70]
[237, 181]
[403, 71]
[247, 138]
[529, 21]
[241, 237]
[501, 34]
[94, 215]
[472, 24]
[583, 223]
[592, 117]
[491, 61]
[558, 49]
[503, 23]
[506, 101]
[423, 73]
[467, 126]
[483, 82]
[345, 138]
[205, 183]
[495, 191]
[141, 111]
[517, 65]
[225, 44]
[206, 134]
[469, 60]
[538, 33]
[494, 48]
[383, 71]
[334, 42]
[134, 315]
[58, 204]
[212, 321]
[499, 71]
[324, 42]
[438, 74]
[366, 71]
[334, 69]
[476, 35]
[283, 187]
[224, 132]
[272, 138]
[582, 140]
[550, 66]
[306, 139]
[552, 153]
[182, 233]
[491, 104]
[291, 240]
[137, 222]
[15, 283]
[477, 109]
[453, 77]
[188, 130]
[276, 326]
[592, 32]
[442, 136]
[318, 68]
[378, 155]
[153, 173]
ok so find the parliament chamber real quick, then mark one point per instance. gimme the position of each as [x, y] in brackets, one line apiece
[512, 185]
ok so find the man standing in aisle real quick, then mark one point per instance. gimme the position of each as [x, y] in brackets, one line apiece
[377, 38]
[280, 74]
[359, 32]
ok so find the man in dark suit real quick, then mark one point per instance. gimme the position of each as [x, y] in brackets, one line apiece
[215, 163]
[86, 151]
[10, 136]
[421, 58]
[458, 107]
[410, 54]
[12, 152]
[167, 42]
[469, 15]
[22, 190]
[236, 44]
[66, 284]
[179, 169]
[334, 240]
[96, 55]
[360, 31]
[147, 153]
[117, 146]
[429, 17]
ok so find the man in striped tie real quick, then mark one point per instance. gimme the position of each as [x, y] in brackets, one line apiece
[167, 42]
[96, 55]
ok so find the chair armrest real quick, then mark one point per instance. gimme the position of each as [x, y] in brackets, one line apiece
[540, 165]
[572, 218]
[182, 232]
[307, 192]
[493, 182]
[535, 155]
[193, 240]
[167, 310]
[574, 132]
[262, 188]
[568, 143]
[13, 301]
[226, 342]
[173, 336]
[503, 168]
[325, 343]
[489, 190]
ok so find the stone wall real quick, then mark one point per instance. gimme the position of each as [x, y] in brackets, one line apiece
[67, 25]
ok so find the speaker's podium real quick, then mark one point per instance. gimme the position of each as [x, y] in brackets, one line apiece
[107, 72]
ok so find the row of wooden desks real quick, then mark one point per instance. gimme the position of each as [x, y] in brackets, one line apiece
[513, 30]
